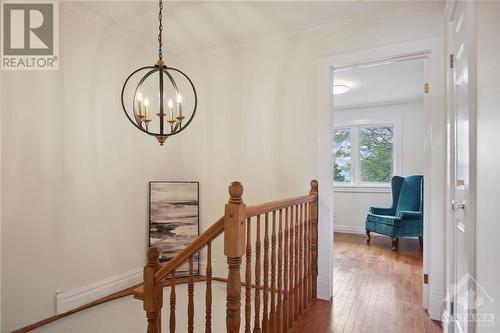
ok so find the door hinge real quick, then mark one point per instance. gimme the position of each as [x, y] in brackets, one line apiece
[452, 64]
[426, 278]
[426, 88]
[452, 308]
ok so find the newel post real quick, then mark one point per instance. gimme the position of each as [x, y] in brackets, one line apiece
[234, 249]
[314, 243]
[153, 293]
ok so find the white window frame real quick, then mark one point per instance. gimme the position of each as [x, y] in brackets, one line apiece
[356, 185]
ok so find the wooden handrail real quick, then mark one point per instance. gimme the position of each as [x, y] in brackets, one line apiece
[217, 228]
[271, 206]
[291, 288]
[207, 236]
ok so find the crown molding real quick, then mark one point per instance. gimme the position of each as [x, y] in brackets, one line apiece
[409, 100]
[318, 31]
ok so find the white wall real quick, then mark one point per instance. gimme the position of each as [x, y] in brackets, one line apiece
[488, 159]
[261, 120]
[75, 172]
[351, 207]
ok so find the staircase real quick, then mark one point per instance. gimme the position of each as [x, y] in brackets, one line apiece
[279, 283]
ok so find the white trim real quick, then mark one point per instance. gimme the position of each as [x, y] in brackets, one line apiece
[379, 121]
[361, 188]
[69, 300]
[325, 287]
[432, 49]
[447, 322]
[425, 292]
[322, 29]
[349, 229]
[436, 302]
[410, 100]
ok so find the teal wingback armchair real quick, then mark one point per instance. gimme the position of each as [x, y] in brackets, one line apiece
[405, 217]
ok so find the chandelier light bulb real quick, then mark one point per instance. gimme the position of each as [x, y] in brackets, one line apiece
[179, 98]
[139, 96]
[170, 103]
[146, 102]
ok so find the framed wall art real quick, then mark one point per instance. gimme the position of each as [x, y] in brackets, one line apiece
[174, 219]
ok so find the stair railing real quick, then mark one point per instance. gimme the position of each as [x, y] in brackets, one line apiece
[289, 266]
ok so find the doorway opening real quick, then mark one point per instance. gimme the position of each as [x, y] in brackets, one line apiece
[381, 161]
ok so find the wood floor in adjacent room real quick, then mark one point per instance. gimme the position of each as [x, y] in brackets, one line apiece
[375, 289]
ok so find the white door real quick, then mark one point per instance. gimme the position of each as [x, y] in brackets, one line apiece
[462, 110]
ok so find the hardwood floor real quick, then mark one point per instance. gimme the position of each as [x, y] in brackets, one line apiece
[375, 289]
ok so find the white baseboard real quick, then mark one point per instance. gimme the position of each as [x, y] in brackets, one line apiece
[435, 308]
[425, 295]
[71, 299]
[325, 286]
[347, 229]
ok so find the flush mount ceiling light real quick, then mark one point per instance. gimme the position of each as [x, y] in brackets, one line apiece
[340, 88]
[161, 100]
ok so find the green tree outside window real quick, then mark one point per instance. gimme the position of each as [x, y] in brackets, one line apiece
[373, 158]
[376, 154]
[342, 155]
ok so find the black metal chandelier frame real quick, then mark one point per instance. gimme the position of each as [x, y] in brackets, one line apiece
[138, 120]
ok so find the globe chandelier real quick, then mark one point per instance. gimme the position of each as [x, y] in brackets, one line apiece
[159, 100]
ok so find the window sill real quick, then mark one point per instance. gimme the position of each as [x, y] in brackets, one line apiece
[362, 188]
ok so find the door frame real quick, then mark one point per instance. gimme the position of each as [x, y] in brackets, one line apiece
[448, 320]
[434, 291]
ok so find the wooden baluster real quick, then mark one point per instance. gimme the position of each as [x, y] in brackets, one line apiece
[296, 264]
[308, 262]
[190, 297]
[285, 277]
[248, 278]
[310, 253]
[273, 275]
[291, 287]
[234, 248]
[153, 292]
[303, 276]
[265, 318]
[279, 309]
[256, 328]
[208, 294]
[304, 244]
[306, 256]
[301, 245]
[172, 303]
[314, 237]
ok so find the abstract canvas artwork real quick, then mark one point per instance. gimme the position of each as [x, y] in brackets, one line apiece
[174, 219]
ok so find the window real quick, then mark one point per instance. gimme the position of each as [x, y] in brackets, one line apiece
[376, 154]
[342, 156]
[365, 154]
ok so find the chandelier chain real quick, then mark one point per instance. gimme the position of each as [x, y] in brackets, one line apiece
[160, 30]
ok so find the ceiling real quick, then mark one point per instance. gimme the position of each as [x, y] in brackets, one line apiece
[197, 26]
[380, 83]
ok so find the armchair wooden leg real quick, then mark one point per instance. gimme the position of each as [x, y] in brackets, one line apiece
[369, 238]
[395, 243]
[421, 242]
